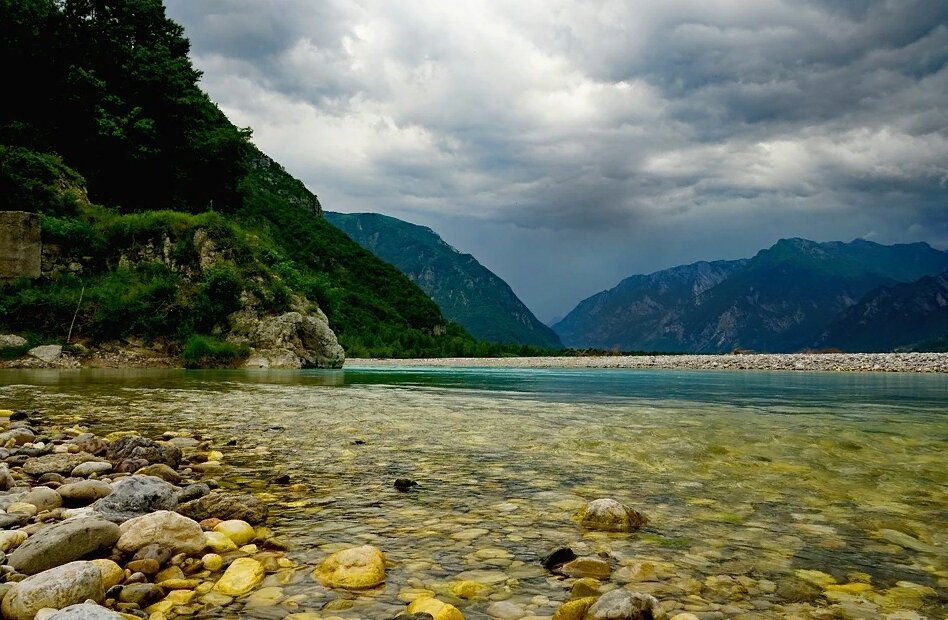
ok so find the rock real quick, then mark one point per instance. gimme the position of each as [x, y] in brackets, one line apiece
[156, 552]
[587, 567]
[212, 562]
[63, 542]
[6, 478]
[48, 353]
[637, 571]
[141, 594]
[439, 610]
[794, 590]
[62, 463]
[160, 470]
[112, 573]
[138, 447]
[192, 492]
[469, 589]
[44, 498]
[10, 341]
[13, 520]
[163, 527]
[355, 569]
[585, 587]
[240, 532]
[58, 587]
[557, 557]
[625, 605]
[219, 542]
[84, 470]
[87, 442]
[22, 508]
[574, 610]
[130, 466]
[18, 436]
[85, 611]
[84, 492]
[240, 577]
[308, 338]
[223, 506]
[505, 610]
[135, 496]
[147, 566]
[404, 484]
[611, 516]
[11, 539]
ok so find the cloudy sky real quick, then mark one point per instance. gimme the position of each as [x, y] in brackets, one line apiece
[570, 143]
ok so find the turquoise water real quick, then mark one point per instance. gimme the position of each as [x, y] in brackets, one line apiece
[752, 480]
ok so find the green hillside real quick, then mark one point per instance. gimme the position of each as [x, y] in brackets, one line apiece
[466, 291]
[111, 140]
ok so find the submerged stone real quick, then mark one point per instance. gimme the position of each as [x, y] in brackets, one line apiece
[356, 568]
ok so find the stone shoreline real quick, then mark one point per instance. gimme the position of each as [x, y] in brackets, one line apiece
[834, 362]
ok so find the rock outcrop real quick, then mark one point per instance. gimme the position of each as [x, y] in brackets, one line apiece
[293, 340]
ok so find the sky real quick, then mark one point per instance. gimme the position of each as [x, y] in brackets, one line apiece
[568, 144]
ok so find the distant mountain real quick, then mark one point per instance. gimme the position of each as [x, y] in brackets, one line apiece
[911, 316]
[466, 291]
[782, 299]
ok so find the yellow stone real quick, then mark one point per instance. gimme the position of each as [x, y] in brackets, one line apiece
[172, 572]
[161, 607]
[439, 610]
[285, 563]
[217, 599]
[815, 577]
[574, 609]
[212, 562]
[240, 577]
[180, 584]
[265, 597]
[249, 549]
[237, 530]
[354, 569]
[469, 589]
[407, 595]
[112, 573]
[21, 508]
[11, 540]
[305, 615]
[5, 413]
[585, 587]
[205, 587]
[215, 455]
[129, 616]
[850, 588]
[155, 616]
[219, 543]
[181, 597]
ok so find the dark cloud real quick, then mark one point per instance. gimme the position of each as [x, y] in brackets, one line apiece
[605, 138]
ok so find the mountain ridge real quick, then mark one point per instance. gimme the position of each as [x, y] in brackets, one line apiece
[779, 300]
[466, 291]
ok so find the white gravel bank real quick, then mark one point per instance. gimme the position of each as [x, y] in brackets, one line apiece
[843, 362]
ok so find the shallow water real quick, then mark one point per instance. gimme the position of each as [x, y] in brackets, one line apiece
[747, 478]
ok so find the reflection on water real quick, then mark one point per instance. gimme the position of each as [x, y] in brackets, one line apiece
[749, 479]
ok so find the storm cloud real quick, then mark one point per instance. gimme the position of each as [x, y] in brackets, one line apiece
[567, 144]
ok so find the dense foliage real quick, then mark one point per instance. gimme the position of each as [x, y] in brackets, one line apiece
[118, 149]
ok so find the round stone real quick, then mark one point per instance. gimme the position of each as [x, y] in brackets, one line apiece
[356, 568]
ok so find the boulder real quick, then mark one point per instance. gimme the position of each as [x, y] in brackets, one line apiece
[307, 337]
[85, 611]
[138, 447]
[57, 588]
[19, 436]
[586, 567]
[63, 542]
[224, 506]
[611, 516]
[84, 492]
[9, 341]
[62, 463]
[240, 532]
[48, 353]
[625, 605]
[135, 496]
[353, 569]
[84, 470]
[240, 577]
[165, 528]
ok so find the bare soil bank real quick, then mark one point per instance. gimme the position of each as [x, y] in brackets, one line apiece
[840, 362]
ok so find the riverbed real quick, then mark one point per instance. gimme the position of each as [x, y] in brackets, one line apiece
[769, 494]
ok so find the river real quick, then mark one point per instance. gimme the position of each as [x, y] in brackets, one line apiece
[761, 488]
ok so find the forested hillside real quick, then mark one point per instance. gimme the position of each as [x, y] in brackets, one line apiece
[107, 135]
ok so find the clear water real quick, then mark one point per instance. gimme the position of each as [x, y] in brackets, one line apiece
[747, 478]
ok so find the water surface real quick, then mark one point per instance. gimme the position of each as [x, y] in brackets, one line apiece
[749, 478]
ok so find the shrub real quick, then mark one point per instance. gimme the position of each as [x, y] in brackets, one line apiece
[209, 352]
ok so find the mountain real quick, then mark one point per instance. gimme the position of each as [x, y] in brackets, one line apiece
[911, 316]
[160, 220]
[466, 291]
[782, 299]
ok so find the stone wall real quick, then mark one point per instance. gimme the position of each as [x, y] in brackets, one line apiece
[20, 246]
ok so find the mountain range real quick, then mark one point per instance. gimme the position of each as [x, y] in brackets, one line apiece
[795, 295]
[465, 291]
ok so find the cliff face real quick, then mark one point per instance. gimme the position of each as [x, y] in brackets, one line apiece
[781, 300]
[20, 246]
[466, 291]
